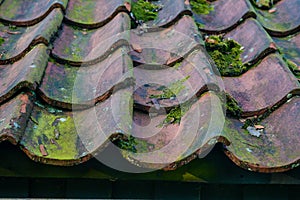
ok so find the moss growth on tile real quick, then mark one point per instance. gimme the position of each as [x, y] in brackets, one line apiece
[126, 143]
[172, 90]
[174, 116]
[293, 67]
[232, 107]
[1, 41]
[201, 7]
[226, 53]
[55, 131]
[144, 10]
[82, 12]
[263, 3]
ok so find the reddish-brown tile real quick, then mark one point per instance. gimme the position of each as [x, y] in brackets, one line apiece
[91, 14]
[13, 117]
[19, 41]
[263, 86]
[194, 75]
[226, 15]
[25, 73]
[290, 47]
[171, 12]
[165, 46]
[255, 40]
[95, 82]
[69, 138]
[276, 149]
[284, 21]
[173, 145]
[28, 12]
[78, 46]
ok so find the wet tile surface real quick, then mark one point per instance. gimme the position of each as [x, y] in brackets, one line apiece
[75, 77]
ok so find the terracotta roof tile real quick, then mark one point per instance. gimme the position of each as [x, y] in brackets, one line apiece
[255, 40]
[252, 89]
[13, 117]
[224, 17]
[18, 42]
[96, 81]
[290, 47]
[91, 14]
[68, 70]
[276, 149]
[28, 12]
[25, 73]
[284, 21]
[169, 45]
[77, 46]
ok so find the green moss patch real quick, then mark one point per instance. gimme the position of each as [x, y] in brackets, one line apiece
[172, 90]
[144, 10]
[1, 41]
[293, 67]
[232, 107]
[264, 3]
[174, 116]
[201, 7]
[226, 53]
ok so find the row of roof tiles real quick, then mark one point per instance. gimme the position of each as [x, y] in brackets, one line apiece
[60, 56]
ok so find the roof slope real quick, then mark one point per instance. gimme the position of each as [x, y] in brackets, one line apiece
[68, 70]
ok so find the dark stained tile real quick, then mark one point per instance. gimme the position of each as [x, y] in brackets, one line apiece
[263, 86]
[284, 21]
[290, 47]
[165, 46]
[173, 145]
[95, 82]
[194, 76]
[276, 149]
[13, 117]
[25, 73]
[77, 46]
[94, 13]
[65, 138]
[255, 40]
[28, 12]
[226, 15]
[171, 12]
[18, 42]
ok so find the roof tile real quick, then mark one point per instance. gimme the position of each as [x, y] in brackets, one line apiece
[224, 18]
[285, 21]
[18, 42]
[252, 89]
[276, 149]
[255, 40]
[77, 46]
[96, 82]
[25, 73]
[28, 12]
[93, 13]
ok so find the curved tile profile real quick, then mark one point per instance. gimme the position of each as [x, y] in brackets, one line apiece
[290, 47]
[95, 82]
[18, 40]
[165, 46]
[94, 13]
[284, 21]
[77, 46]
[255, 40]
[171, 12]
[172, 145]
[68, 138]
[276, 149]
[28, 12]
[13, 117]
[194, 76]
[252, 89]
[25, 73]
[227, 14]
